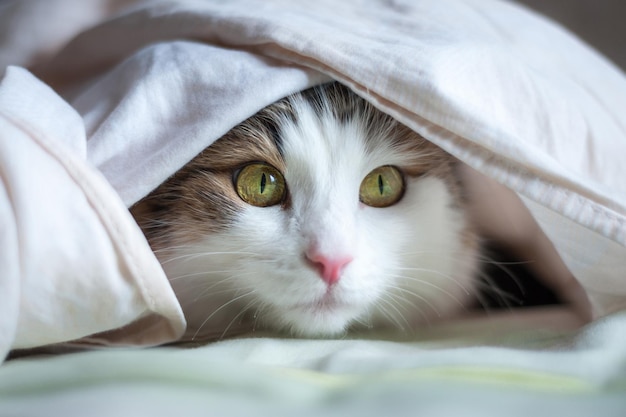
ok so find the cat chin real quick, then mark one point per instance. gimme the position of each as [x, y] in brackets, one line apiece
[314, 321]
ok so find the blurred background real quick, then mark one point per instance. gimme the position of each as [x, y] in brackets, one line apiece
[601, 23]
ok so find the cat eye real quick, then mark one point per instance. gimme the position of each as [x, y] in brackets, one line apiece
[260, 185]
[382, 187]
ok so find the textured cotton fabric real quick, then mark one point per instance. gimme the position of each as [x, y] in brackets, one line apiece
[73, 263]
[470, 369]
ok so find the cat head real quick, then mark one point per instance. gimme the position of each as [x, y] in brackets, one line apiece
[317, 214]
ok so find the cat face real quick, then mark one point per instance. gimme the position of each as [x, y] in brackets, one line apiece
[317, 214]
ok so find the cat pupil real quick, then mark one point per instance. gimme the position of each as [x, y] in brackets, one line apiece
[381, 187]
[263, 181]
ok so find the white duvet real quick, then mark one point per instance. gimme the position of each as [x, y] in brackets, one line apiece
[98, 108]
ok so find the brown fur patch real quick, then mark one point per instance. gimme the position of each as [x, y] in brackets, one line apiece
[200, 198]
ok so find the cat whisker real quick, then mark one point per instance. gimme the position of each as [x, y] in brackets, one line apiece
[240, 314]
[401, 300]
[257, 313]
[440, 252]
[509, 274]
[506, 299]
[364, 321]
[429, 284]
[485, 283]
[192, 256]
[420, 297]
[482, 258]
[200, 273]
[205, 293]
[434, 271]
[226, 304]
[415, 307]
[382, 309]
[485, 260]
[208, 290]
[194, 287]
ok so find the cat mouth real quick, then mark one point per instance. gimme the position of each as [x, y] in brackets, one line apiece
[324, 304]
[322, 317]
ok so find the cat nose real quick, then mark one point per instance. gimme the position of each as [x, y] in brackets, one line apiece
[328, 267]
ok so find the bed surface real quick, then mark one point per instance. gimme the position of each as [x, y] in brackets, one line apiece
[476, 368]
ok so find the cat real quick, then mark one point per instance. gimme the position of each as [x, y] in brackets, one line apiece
[317, 215]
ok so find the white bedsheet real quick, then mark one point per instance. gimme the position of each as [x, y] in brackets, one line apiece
[143, 86]
[467, 369]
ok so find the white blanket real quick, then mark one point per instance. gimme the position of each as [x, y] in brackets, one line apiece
[151, 84]
[470, 370]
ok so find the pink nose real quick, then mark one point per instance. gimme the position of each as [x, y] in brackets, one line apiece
[329, 267]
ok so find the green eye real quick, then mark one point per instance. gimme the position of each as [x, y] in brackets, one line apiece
[382, 187]
[260, 185]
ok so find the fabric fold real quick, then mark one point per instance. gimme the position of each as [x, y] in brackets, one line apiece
[74, 250]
